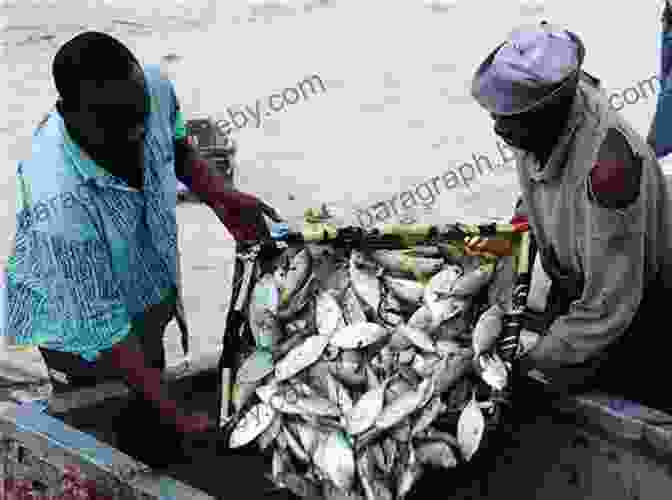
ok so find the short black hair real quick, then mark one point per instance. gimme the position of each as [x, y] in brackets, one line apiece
[90, 56]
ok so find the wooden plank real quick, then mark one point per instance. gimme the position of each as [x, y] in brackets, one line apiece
[58, 445]
[91, 396]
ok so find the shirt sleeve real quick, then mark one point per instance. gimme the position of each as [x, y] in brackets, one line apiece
[613, 265]
[178, 117]
[180, 127]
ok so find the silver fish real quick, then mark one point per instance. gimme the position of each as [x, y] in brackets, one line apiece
[372, 380]
[294, 341]
[428, 414]
[441, 284]
[304, 322]
[262, 313]
[257, 366]
[264, 392]
[317, 376]
[365, 411]
[424, 251]
[251, 425]
[449, 348]
[458, 397]
[418, 338]
[398, 342]
[447, 309]
[382, 489]
[472, 282]
[401, 262]
[487, 329]
[437, 454]
[266, 330]
[470, 429]
[353, 311]
[409, 375]
[412, 471]
[299, 300]
[408, 291]
[494, 372]
[365, 284]
[324, 423]
[358, 336]
[435, 435]
[339, 394]
[406, 356]
[294, 446]
[374, 488]
[451, 329]
[280, 273]
[391, 452]
[404, 405]
[452, 369]
[301, 357]
[301, 486]
[335, 458]
[292, 403]
[329, 314]
[300, 268]
[425, 365]
[402, 432]
[241, 393]
[379, 457]
[267, 437]
[332, 492]
[281, 466]
[309, 436]
[281, 441]
[352, 374]
[391, 310]
[366, 473]
[423, 319]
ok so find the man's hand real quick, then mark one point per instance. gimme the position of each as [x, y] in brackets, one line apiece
[241, 213]
[245, 218]
[485, 247]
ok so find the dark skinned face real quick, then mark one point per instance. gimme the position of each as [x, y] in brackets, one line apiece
[536, 131]
[109, 119]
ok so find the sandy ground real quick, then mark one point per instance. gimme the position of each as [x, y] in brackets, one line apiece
[396, 111]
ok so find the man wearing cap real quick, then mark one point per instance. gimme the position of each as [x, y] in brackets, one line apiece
[92, 278]
[597, 204]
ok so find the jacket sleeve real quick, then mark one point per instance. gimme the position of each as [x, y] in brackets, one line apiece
[613, 247]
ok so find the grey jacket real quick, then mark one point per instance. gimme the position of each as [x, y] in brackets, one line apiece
[605, 257]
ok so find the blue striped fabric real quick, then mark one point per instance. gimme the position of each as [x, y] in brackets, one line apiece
[91, 253]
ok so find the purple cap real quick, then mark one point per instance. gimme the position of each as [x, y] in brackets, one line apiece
[527, 69]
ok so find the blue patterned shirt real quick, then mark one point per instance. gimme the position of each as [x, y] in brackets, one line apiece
[90, 252]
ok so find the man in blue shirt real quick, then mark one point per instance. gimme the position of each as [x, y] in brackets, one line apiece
[92, 278]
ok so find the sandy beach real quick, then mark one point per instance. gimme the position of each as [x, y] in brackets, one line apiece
[396, 110]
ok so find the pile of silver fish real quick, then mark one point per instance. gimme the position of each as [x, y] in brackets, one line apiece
[366, 369]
